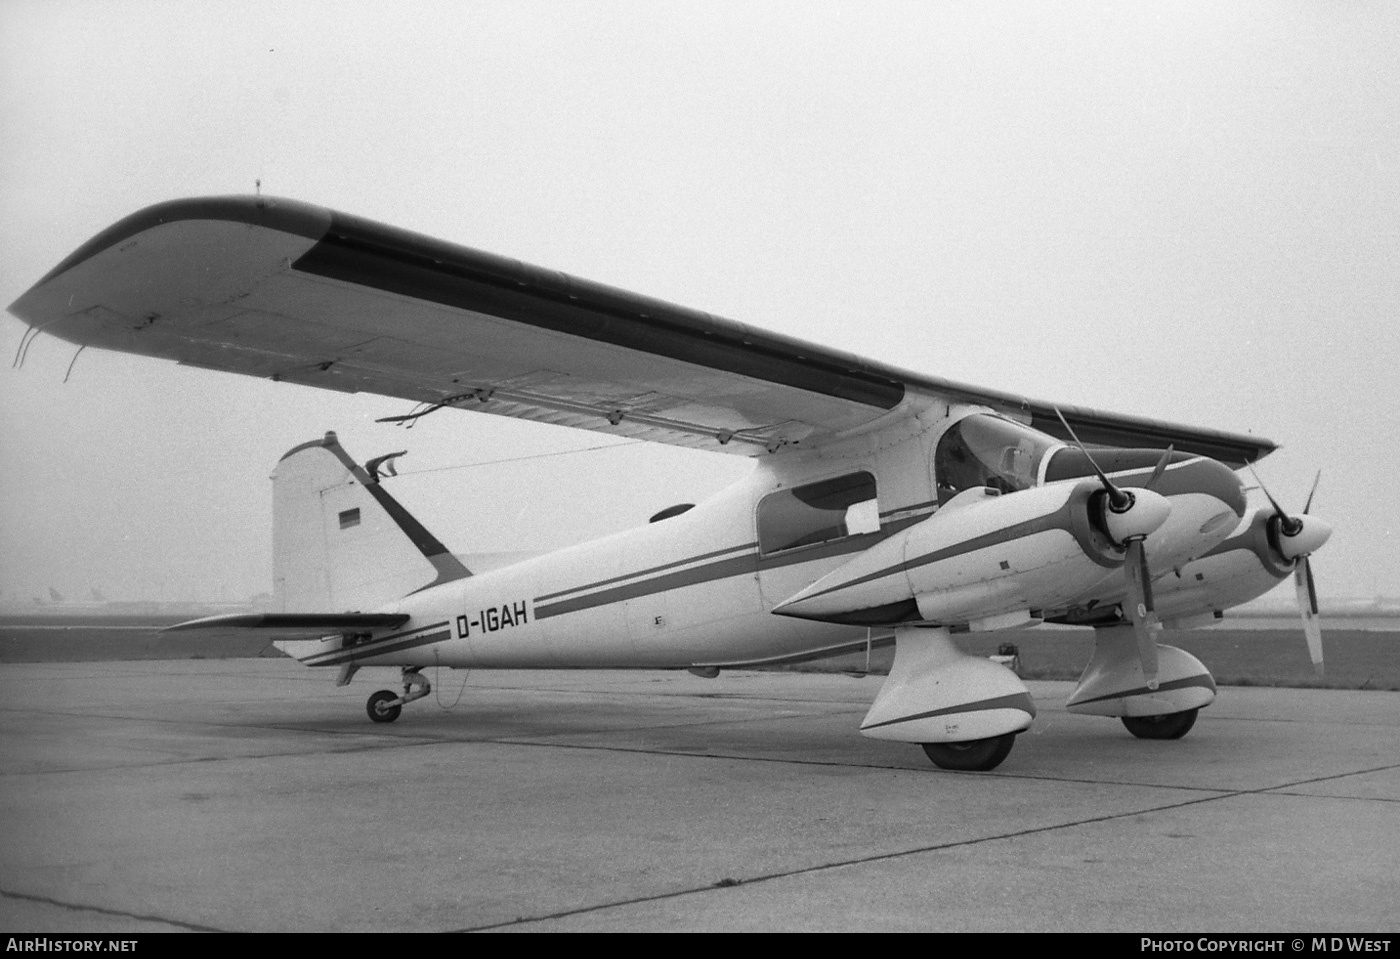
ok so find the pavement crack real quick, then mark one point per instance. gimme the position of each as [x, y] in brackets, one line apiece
[1217, 796]
[1329, 777]
[712, 887]
[101, 910]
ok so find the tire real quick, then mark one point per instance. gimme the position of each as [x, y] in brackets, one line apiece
[378, 711]
[978, 755]
[1166, 726]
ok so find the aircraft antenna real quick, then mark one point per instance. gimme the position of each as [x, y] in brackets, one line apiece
[437, 685]
[519, 459]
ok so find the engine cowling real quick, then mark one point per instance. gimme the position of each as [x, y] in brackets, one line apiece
[984, 554]
[1255, 558]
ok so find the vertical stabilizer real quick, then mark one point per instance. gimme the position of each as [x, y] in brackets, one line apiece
[340, 542]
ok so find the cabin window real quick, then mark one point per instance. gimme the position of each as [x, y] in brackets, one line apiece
[818, 513]
[987, 451]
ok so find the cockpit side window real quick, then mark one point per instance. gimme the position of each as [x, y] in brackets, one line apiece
[818, 512]
[984, 450]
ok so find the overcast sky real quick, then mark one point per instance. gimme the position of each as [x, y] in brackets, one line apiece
[1187, 211]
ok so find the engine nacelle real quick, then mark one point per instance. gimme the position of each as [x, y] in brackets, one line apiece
[1251, 561]
[984, 554]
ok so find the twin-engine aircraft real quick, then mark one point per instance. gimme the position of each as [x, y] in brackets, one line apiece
[885, 506]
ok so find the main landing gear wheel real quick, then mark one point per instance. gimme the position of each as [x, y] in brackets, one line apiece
[1166, 726]
[978, 755]
[378, 707]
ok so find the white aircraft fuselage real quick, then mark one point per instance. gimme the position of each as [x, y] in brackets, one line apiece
[698, 589]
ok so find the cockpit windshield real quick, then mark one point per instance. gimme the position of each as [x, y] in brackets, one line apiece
[985, 450]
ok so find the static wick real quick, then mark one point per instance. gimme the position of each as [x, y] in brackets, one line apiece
[257, 186]
[73, 361]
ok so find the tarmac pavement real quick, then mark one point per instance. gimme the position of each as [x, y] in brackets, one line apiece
[254, 795]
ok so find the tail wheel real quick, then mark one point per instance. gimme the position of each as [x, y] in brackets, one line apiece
[379, 709]
[978, 755]
[1166, 726]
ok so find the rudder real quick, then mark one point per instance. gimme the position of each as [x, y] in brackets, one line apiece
[340, 542]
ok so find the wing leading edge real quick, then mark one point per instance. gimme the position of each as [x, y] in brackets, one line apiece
[295, 292]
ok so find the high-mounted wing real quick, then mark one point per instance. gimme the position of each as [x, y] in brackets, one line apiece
[295, 292]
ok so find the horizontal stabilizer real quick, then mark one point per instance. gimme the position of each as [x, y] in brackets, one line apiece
[293, 625]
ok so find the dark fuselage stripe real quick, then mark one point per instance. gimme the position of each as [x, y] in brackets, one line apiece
[410, 636]
[368, 650]
[645, 572]
[893, 527]
[723, 569]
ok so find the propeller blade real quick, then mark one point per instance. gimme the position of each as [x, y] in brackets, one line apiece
[1160, 468]
[1307, 607]
[1290, 525]
[1272, 502]
[1120, 499]
[1308, 505]
[1140, 609]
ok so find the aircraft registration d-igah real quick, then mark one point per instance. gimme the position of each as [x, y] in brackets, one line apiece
[885, 507]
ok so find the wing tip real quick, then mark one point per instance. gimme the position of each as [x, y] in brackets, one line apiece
[276, 213]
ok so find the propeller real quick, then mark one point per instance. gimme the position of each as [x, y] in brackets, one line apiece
[1146, 626]
[1131, 515]
[1296, 538]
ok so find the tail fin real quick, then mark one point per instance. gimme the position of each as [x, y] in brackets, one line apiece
[340, 542]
